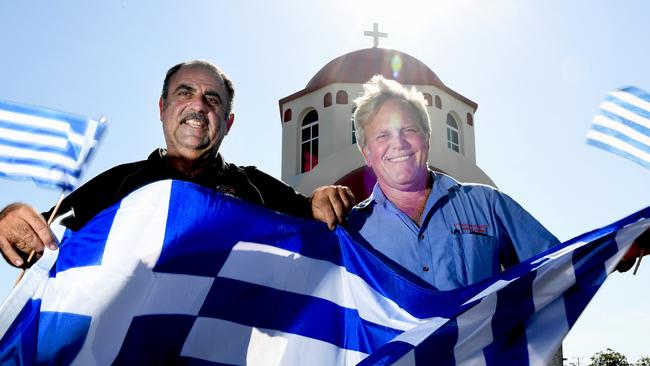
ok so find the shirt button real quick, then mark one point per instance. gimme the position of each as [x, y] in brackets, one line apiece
[421, 237]
[425, 269]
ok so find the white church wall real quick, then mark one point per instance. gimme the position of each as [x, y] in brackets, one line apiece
[329, 171]
[289, 151]
[460, 110]
[342, 117]
[338, 156]
[334, 126]
[291, 131]
[338, 120]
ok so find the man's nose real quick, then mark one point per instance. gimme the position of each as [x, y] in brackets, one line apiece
[199, 103]
[399, 142]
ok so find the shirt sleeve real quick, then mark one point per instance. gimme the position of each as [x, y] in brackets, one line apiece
[279, 196]
[527, 236]
[83, 203]
[94, 196]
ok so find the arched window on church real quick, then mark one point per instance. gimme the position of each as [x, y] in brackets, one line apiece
[470, 119]
[428, 98]
[287, 115]
[327, 100]
[453, 134]
[438, 102]
[341, 97]
[309, 142]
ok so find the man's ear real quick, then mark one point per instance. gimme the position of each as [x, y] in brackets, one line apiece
[231, 120]
[160, 107]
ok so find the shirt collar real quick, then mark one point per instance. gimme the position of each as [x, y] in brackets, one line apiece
[159, 154]
[442, 183]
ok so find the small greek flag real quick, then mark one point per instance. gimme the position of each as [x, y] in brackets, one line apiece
[47, 146]
[622, 125]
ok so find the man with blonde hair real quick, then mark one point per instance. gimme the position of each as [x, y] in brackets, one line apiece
[447, 233]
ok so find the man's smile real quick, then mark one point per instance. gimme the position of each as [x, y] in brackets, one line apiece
[195, 120]
[194, 123]
[397, 159]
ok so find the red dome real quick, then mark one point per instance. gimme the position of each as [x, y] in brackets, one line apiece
[359, 66]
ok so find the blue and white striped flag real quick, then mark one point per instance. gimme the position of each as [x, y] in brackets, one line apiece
[179, 274]
[622, 125]
[47, 146]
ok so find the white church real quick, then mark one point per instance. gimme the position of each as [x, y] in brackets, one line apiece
[318, 142]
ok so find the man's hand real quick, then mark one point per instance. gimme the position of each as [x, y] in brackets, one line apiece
[330, 204]
[640, 247]
[22, 230]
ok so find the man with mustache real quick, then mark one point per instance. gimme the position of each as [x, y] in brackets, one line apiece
[196, 113]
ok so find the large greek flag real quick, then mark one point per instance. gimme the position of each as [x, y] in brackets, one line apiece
[179, 274]
[47, 146]
[622, 125]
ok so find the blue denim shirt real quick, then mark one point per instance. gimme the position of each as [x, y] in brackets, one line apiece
[469, 232]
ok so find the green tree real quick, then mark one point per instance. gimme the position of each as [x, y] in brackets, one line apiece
[643, 361]
[609, 357]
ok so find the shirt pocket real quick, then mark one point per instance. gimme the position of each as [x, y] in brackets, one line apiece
[477, 257]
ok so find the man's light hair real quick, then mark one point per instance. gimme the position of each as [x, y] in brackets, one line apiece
[377, 91]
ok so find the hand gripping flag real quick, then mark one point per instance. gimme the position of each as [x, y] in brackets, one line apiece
[179, 274]
[44, 145]
[622, 125]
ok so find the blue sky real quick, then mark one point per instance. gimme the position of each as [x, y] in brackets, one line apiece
[537, 70]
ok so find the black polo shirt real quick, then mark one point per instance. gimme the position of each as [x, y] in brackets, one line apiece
[247, 183]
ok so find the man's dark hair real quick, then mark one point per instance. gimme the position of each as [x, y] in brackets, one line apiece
[226, 80]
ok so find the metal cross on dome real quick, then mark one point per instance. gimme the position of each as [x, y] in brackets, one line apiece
[375, 34]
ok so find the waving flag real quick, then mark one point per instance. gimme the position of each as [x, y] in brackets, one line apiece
[46, 146]
[177, 273]
[622, 125]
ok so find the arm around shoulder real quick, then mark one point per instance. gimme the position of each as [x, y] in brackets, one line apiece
[328, 204]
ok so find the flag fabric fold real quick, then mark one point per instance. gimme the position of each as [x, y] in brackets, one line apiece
[177, 273]
[43, 145]
[622, 125]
